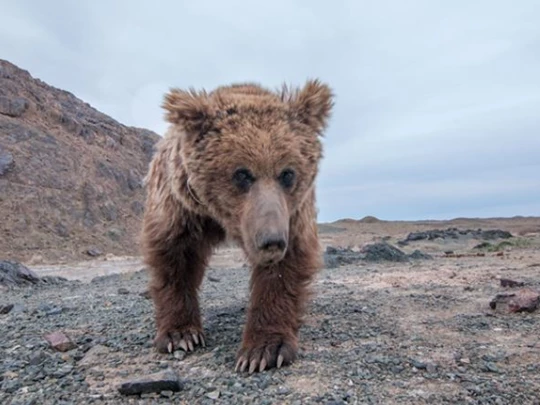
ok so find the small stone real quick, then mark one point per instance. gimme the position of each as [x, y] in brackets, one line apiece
[60, 342]
[152, 383]
[167, 394]
[6, 309]
[123, 291]
[490, 367]
[38, 358]
[179, 355]
[54, 311]
[505, 282]
[419, 255]
[213, 395]
[94, 355]
[419, 364]
[94, 252]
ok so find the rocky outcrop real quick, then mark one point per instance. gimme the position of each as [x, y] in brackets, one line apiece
[70, 176]
[455, 233]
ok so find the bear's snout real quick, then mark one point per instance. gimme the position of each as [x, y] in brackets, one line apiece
[271, 242]
[271, 247]
[266, 225]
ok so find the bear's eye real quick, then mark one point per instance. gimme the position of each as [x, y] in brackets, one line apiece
[286, 178]
[243, 179]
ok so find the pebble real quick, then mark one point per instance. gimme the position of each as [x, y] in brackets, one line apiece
[6, 309]
[213, 395]
[60, 341]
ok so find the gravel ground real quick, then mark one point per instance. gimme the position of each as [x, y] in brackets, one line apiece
[407, 333]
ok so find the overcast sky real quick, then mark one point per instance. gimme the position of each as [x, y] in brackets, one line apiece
[438, 102]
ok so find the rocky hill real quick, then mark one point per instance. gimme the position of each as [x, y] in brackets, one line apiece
[70, 176]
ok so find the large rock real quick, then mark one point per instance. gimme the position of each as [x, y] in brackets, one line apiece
[383, 252]
[455, 233]
[162, 381]
[523, 300]
[376, 252]
[14, 274]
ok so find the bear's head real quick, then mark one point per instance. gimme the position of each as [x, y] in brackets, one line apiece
[250, 157]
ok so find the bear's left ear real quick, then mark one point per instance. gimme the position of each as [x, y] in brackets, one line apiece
[189, 109]
[312, 104]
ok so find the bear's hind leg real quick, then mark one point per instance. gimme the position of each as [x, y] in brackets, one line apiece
[177, 260]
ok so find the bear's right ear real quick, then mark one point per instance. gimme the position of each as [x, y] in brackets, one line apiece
[189, 109]
[311, 104]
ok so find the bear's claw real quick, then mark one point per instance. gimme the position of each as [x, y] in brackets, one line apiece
[264, 357]
[187, 341]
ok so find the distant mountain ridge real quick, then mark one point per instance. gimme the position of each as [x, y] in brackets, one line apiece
[70, 176]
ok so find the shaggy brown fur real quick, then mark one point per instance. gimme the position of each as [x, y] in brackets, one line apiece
[240, 161]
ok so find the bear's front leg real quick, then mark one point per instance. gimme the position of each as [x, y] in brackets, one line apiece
[177, 261]
[278, 295]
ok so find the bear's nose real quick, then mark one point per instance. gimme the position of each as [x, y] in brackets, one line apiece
[271, 242]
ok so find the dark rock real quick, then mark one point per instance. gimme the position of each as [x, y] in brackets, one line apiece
[505, 282]
[496, 234]
[419, 364]
[418, 255]
[483, 245]
[6, 162]
[123, 291]
[94, 252]
[16, 274]
[383, 252]
[53, 280]
[455, 233]
[6, 309]
[158, 382]
[59, 341]
[335, 257]
[13, 107]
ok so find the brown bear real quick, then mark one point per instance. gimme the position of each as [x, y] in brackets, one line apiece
[237, 162]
